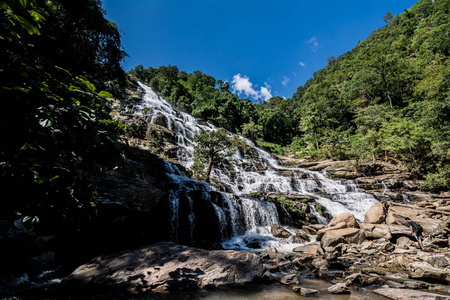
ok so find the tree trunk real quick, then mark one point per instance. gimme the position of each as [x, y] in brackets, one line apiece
[209, 168]
[317, 143]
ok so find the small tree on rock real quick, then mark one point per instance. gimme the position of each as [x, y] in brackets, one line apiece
[211, 147]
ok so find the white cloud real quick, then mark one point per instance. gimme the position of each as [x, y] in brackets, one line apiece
[313, 43]
[302, 64]
[285, 80]
[242, 85]
[295, 74]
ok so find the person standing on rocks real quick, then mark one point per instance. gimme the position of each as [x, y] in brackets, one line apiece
[416, 230]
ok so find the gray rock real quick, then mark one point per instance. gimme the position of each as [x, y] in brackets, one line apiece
[339, 288]
[438, 261]
[279, 232]
[290, 279]
[304, 291]
[349, 235]
[375, 214]
[423, 270]
[406, 294]
[167, 266]
[376, 231]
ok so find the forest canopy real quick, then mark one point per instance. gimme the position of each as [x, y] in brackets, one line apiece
[388, 98]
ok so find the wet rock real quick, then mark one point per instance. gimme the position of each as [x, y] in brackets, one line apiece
[375, 214]
[279, 232]
[339, 288]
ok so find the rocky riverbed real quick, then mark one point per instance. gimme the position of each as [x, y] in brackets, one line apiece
[378, 254]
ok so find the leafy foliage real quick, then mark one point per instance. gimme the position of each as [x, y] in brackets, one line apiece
[210, 148]
[55, 57]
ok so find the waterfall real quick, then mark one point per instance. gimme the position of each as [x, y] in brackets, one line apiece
[243, 220]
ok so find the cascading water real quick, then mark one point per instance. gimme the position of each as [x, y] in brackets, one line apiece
[245, 220]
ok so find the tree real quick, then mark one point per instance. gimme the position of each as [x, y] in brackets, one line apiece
[387, 17]
[211, 147]
[251, 130]
[57, 125]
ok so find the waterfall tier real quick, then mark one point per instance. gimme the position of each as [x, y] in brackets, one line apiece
[242, 220]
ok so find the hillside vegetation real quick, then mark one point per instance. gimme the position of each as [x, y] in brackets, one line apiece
[388, 98]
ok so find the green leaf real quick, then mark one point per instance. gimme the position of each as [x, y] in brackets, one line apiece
[32, 29]
[105, 94]
[87, 84]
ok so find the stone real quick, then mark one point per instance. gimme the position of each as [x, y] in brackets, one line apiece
[423, 270]
[438, 261]
[376, 231]
[304, 291]
[279, 232]
[348, 219]
[416, 285]
[407, 294]
[399, 230]
[375, 214]
[396, 215]
[272, 250]
[319, 263]
[290, 279]
[322, 231]
[353, 278]
[167, 266]
[349, 235]
[267, 277]
[404, 242]
[339, 288]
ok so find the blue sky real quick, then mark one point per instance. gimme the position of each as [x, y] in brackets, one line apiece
[262, 48]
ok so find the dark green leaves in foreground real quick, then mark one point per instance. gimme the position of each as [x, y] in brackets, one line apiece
[56, 128]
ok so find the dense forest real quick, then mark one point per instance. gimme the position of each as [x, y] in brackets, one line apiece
[386, 99]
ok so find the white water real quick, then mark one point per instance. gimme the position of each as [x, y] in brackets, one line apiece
[249, 219]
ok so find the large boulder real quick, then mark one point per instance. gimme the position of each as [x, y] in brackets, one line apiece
[425, 271]
[348, 219]
[167, 266]
[347, 235]
[376, 231]
[396, 215]
[341, 221]
[375, 214]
